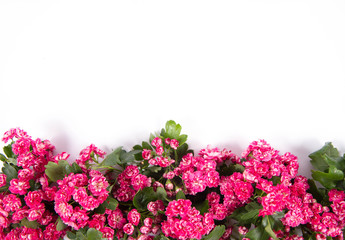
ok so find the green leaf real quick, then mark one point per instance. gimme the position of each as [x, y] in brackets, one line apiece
[29, 224]
[93, 234]
[10, 171]
[328, 180]
[266, 223]
[76, 168]
[180, 195]
[247, 214]
[182, 150]
[257, 233]
[8, 151]
[111, 203]
[161, 237]
[216, 233]
[138, 147]
[100, 209]
[60, 225]
[146, 145]
[202, 207]
[317, 193]
[128, 157]
[325, 157]
[151, 137]
[80, 236]
[143, 197]
[172, 130]
[113, 158]
[56, 171]
[13, 161]
[2, 157]
[71, 235]
[182, 139]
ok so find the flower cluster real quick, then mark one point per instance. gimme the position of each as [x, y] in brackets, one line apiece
[186, 222]
[162, 190]
[129, 182]
[27, 197]
[88, 190]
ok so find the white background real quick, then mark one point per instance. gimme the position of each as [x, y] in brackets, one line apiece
[230, 72]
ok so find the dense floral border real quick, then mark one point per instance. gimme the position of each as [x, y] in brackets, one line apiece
[161, 190]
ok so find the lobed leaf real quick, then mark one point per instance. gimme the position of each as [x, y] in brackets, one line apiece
[216, 233]
[258, 233]
[328, 180]
[8, 151]
[113, 158]
[93, 234]
[29, 224]
[10, 171]
[325, 157]
[143, 197]
[60, 225]
[57, 171]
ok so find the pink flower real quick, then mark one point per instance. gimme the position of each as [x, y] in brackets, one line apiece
[185, 222]
[174, 144]
[131, 171]
[50, 233]
[148, 222]
[14, 133]
[26, 160]
[161, 161]
[216, 155]
[242, 230]
[46, 218]
[36, 213]
[155, 206]
[33, 199]
[124, 194]
[26, 174]
[41, 148]
[64, 210]
[146, 154]
[213, 198]
[336, 196]
[107, 233]
[20, 213]
[49, 193]
[30, 233]
[4, 222]
[89, 203]
[167, 141]
[140, 181]
[156, 142]
[80, 195]
[159, 150]
[169, 175]
[133, 217]
[145, 230]
[195, 182]
[11, 203]
[116, 219]
[61, 156]
[3, 180]
[243, 190]
[219, 211]
[18, 186]
[98, 185]
[128, 228]
[79, 218]
[21, 146]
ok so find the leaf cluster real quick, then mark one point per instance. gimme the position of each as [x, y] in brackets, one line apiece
[329, 167]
